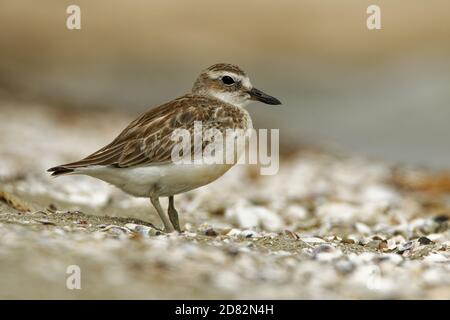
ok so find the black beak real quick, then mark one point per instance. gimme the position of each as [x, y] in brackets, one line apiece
[258, 95]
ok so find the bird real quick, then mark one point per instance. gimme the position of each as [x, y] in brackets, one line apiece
[139, 161]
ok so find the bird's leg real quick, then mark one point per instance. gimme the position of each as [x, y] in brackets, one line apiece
[167, 225]
[173, 215]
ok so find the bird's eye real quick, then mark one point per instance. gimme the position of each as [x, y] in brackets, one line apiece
[227, 80]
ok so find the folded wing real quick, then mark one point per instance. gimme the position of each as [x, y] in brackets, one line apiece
[148, 139]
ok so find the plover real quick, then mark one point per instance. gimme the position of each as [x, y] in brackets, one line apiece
[139, 160]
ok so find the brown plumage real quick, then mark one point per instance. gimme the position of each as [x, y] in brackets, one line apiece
[147, 140]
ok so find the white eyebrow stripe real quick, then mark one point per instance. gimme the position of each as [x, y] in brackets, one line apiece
[243, 79]
[218, 74]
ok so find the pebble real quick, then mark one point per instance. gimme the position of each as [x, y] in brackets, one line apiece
[45, 222]
[142, 230]
[323, 248]
[391, 244]
[248, 234]
[348, 241]
[424, 241]
[326, 252]
[292, 235]
[234, 232]
[405, 246]
[211, 232]
[190, 234]
[117, 230]
[441, 218]
[435, 237]
[391, 257]
[374, 244]
[312, 240]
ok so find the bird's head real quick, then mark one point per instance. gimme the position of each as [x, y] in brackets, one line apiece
[230, 84]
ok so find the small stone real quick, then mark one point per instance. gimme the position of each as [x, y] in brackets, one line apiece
[424, 241]
[446, 244]
[391, 244]
[326, 252]
[392, 257]
[441, 218]
[405, 246]
[312, 240]
[139, 229]
[116, 229]
[190, 234]
[233, 232]
[248, 234]
[211, 232]
[365, 241]
[52, 208]
[45, 222]
[374, 244]
[224, 231]
[323, 248]
[332, 238]
[383, 245]
[348, 241]
[291, 234]
[435, 237]
[154, 232]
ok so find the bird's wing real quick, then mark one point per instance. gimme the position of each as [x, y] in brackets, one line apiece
[148, 139]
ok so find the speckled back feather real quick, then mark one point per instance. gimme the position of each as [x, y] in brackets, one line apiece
[147, 140]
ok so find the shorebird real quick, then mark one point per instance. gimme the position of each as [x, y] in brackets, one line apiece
[139, 160]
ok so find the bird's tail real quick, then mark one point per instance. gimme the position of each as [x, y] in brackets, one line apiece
[60, 170]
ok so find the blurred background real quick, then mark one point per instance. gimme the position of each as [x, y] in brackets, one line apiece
[383, 93]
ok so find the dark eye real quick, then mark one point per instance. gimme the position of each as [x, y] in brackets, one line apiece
[227, 80]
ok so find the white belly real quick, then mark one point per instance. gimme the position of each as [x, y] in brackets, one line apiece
[159, 181]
